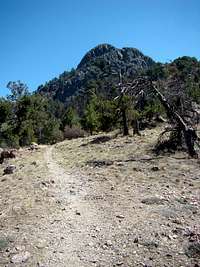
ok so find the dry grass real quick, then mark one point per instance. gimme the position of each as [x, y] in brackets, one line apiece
[75, 153]
[128, 155]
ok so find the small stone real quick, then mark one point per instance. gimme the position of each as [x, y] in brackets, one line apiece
[155, 168]
[41, 265]
[93, 261]
[41, 244]
[18, 210]
[177, 221]
[21, 257]
[44, 183]
[9, 169]
[195, 178]
[150, 244]
[20, 248]
[119, 263]
[152, 201]
[120, 216]
[94, 236]
[78, 212]
[173, 236]
[34, 146]
[108, 243]
[168, 255]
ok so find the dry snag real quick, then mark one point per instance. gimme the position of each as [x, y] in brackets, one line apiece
[182, 133]
[181, 128]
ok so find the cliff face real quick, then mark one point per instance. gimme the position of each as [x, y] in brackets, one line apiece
[101, 64]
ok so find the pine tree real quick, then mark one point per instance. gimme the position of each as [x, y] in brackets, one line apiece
[90, 120]
[70, 118]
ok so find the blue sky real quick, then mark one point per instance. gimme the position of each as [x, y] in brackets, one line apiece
[42, 38]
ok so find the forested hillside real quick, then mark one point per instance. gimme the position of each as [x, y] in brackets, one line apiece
[84, 99]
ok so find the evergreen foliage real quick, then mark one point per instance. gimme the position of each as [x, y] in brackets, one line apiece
[90, 120]
[41, 117]
[70, 118]
[28, 118]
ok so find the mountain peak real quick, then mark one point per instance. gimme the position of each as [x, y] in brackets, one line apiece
[101, 61]
[95, 52]
[111, 54]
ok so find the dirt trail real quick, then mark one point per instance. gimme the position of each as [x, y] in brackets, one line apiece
[131, 213]
[77, 214]
[45, 214]
[65, 196]
[95, 218]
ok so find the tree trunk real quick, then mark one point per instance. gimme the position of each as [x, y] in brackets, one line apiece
[190, 137]
[136, 128]
[125, 124]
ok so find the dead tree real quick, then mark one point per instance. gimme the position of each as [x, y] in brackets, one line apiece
[124, 119]
[183, 130]
[138, 104]
[122, 107]
[188, 131]
[136, 126]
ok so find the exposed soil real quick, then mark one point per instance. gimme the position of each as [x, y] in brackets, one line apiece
[104, 200]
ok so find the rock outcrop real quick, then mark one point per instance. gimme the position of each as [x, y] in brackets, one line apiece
[101, 64]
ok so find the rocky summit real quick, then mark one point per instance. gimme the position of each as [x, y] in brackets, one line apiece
[101, 64]
[119, 59]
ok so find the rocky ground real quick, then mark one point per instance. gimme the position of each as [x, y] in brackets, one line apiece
[104, 200]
